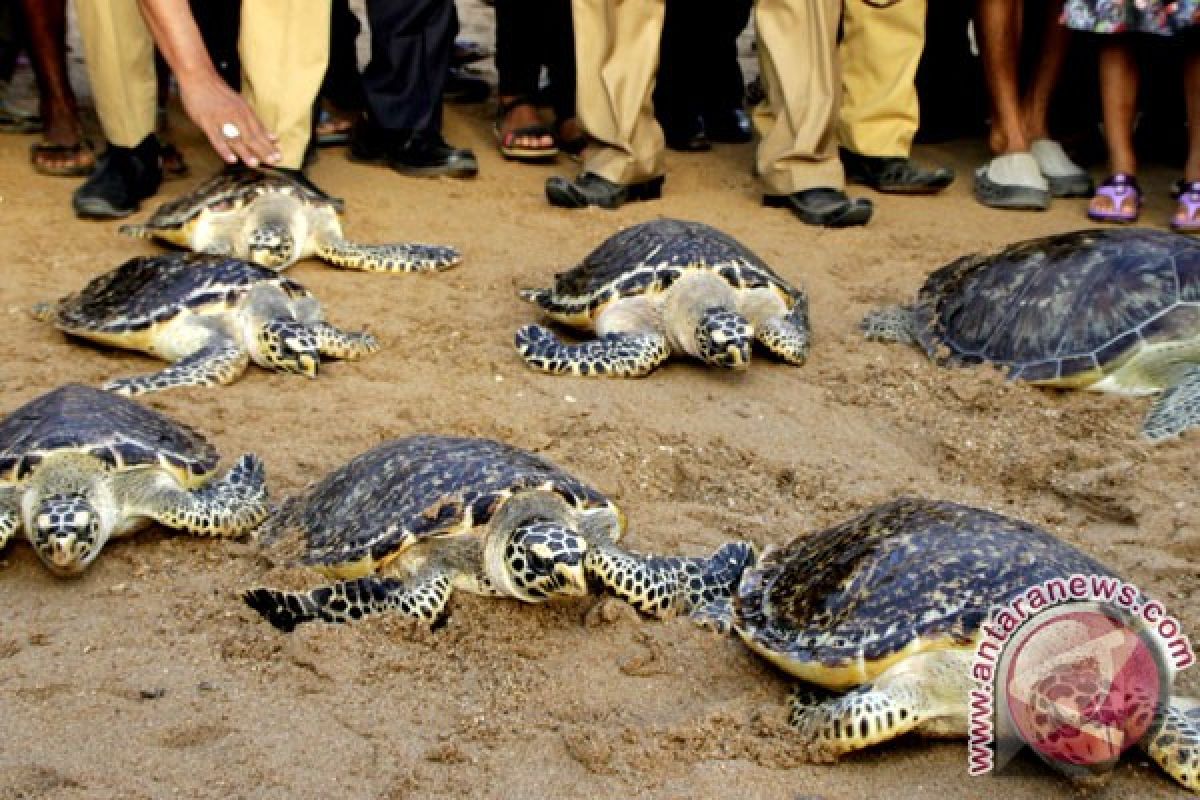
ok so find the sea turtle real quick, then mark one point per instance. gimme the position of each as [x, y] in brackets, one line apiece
[1115, 310]
[79, 466]
[404, 524]
[890, 605]
[661, 287]
[210, 315]
[272, 219]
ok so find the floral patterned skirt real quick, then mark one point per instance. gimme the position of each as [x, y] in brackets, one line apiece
[1163, 17]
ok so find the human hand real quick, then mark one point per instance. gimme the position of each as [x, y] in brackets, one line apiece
[219, 111]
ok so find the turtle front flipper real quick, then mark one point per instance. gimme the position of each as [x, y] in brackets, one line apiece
[10, 514]
[926, 693]
[218, 363]
[337, 343]
[890, 324]
[424, 598]
[234, 505]
[1176, 409]
[138, 231]
[622, 355]
[787, 335]
[388, 257]
[1174, 743]
[665, 585]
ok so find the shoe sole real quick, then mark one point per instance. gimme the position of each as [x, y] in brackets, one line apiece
[415, 172]
[1010, 198]
[1070, 186]
[648, 190]
[852, 214]
[98, 209]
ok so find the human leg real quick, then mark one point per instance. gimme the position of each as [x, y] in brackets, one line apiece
[1118, 198]
[284, 47]
[616, 45]
[63, 150]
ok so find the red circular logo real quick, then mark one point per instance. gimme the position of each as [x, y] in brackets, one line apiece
[1083, 687]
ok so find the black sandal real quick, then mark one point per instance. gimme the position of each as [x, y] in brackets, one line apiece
[505, 139]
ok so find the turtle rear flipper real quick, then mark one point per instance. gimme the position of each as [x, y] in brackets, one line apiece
[1176, 409]
[389, 257]
[890, 324]
[665, 585]
[424, 598]
[1175, 743]
[787, 335]
[624, 355]
[10, 514]
[926, 693]
[337, 343]
[219, 363]
[229, 507]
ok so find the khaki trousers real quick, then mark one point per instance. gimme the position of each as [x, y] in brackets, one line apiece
[616, 50]
[881, 48]
[284, 48]
[616, 58]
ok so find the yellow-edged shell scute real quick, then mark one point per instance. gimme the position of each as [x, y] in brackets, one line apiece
[231, 190]
[1060, 307]
[411, 489]
[121, 433]
[909, 575]
[647, 258]
[149, 291]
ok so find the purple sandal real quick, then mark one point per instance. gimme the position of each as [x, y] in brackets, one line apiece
[1119, 189]
[1189, 208]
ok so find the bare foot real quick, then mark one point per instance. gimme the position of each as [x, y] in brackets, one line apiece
[63, 150]
[523, 115]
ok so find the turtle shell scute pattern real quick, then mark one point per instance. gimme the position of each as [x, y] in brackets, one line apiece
[908, 569]
[118, 431]
[406, 490]
[647, 258]
[1058, 306]
[231, 189]
[151, 290]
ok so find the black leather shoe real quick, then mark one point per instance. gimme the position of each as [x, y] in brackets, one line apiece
[728, 126]
[829, 208]
[592, 190]
[124, 177]
[687, 136]
[422, 154]
[895, 174]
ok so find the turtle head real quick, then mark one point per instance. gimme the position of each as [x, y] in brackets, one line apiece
[545, 558]
[66, 532]
[724, 338]
[271, 244]
[289, 346]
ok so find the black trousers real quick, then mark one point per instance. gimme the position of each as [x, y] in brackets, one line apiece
[698, 70]
[343, 84]
[531, 34]
[411, 43]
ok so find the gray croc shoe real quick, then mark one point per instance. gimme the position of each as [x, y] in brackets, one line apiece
[1012, 181]
[1066, 178]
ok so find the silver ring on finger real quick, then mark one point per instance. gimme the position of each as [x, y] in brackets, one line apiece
[230, 131]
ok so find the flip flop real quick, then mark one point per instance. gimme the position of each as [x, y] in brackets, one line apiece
[1119, 189]
[173, 165]
[76, 170]
[505, 138]
[328, 134]
[1189, 209]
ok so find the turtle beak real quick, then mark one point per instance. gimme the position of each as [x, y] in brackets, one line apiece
[573, 578]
